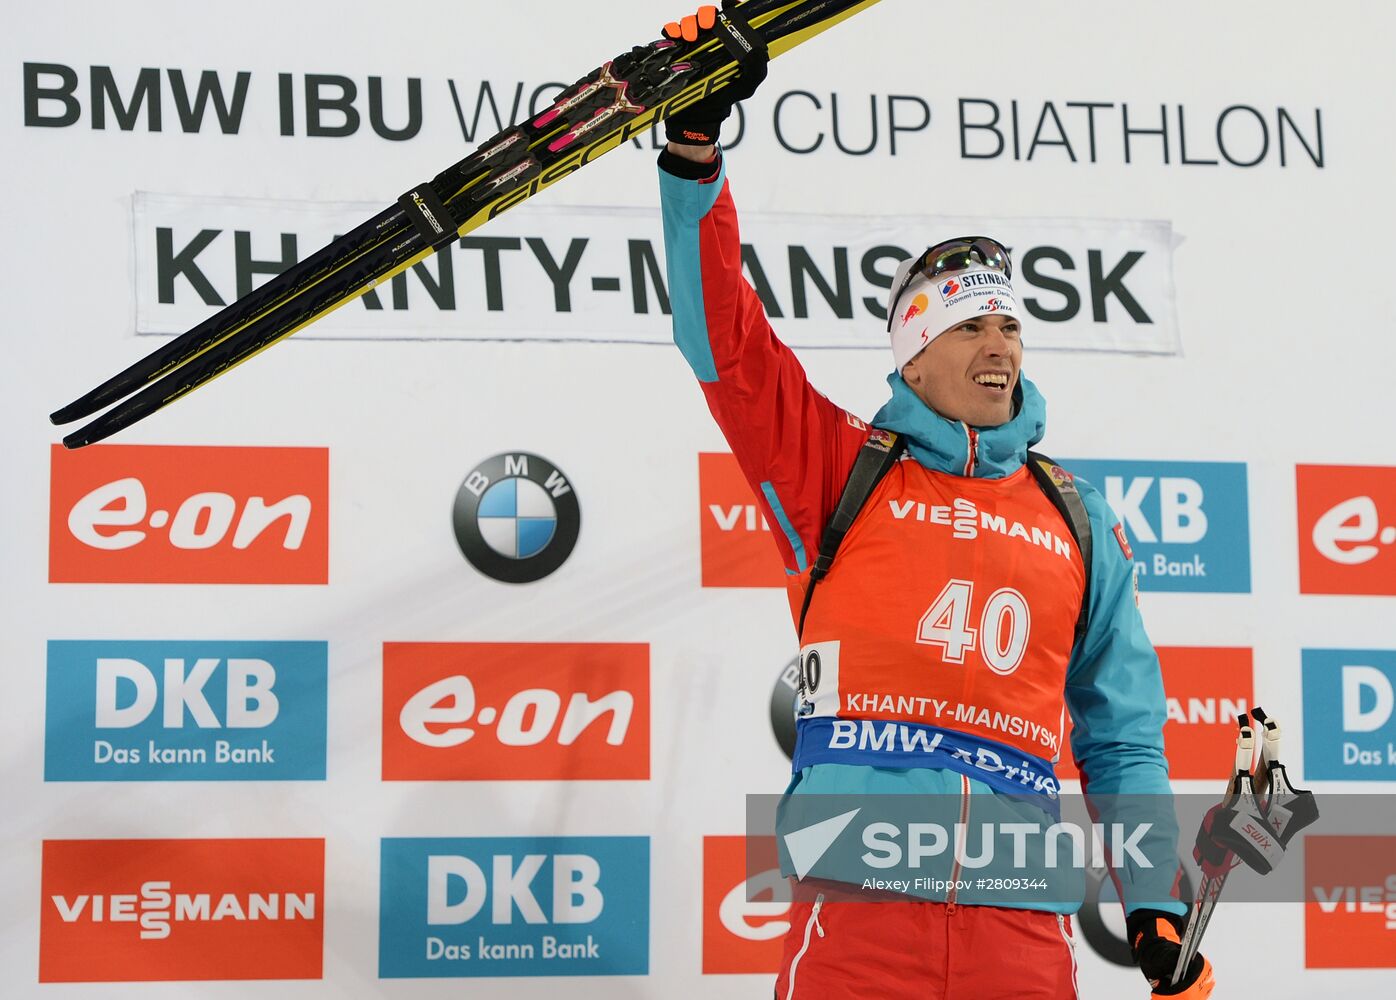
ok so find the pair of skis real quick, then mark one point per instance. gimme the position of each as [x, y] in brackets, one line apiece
[621, 99]
[1254, 823]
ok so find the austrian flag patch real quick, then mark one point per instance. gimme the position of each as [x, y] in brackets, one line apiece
[1124, 542]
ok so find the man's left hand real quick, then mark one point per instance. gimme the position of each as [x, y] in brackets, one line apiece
[1155, 938]
[699, 123]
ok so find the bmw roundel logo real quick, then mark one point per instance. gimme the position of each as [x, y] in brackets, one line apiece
[516, 517]
[784, 701]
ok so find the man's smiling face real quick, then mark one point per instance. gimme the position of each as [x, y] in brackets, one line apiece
[968, 373]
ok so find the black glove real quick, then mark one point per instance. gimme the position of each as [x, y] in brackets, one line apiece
[1155, 938]
[699, 123]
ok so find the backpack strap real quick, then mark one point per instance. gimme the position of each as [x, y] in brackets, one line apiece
[879, 453]
[1060, 487]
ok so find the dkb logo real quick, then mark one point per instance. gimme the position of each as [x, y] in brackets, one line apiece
[514, 906]
[1349, 714]
[185, 711]
[1189, 522]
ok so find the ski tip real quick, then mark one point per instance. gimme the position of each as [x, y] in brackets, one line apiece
[86, 405]
[84, 436]
[67, 414]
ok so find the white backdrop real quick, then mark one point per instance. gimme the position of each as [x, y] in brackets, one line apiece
[1276, 297]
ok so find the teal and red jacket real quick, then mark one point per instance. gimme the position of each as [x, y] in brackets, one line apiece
[796, 447]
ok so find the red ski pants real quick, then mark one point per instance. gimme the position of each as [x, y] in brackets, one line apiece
[927, 951]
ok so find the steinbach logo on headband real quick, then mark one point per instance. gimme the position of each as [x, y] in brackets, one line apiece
[974, 279]
[972, 284]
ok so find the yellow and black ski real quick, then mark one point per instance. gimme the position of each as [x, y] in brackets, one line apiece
[618, 101]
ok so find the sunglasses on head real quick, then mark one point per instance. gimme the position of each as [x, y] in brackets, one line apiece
[955, 255]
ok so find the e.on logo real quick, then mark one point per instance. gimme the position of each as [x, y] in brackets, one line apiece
[737, 549]
[171, 514]
[1347, 529]
[515, 711]
[745, 919]
[1350, 903]
[1204, 690]
[135, 910]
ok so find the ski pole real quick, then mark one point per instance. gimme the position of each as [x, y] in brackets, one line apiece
[1244, 828]
[1215, 860]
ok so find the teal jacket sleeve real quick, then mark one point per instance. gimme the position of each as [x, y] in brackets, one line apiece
[1114, 692]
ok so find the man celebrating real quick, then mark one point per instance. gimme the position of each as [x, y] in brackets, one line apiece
[923, 603]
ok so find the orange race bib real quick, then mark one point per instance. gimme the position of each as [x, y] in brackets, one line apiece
[941, 636]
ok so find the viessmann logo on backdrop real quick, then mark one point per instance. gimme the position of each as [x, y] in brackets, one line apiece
[1347, 529]
[1188, 522]
[514, 906]
[510, 711]
[134, 910]
[185, 711]
[737, 548]
[1350, 902]
[1205, 689]
[744, 924]
[1350, 714]
[169, 514]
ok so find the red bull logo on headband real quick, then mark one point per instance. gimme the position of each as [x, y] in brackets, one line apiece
[917, 308]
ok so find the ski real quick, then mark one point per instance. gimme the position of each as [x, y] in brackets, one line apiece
[269, 295]
[618, 101]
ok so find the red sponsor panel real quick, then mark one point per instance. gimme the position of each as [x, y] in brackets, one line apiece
[483, 711]
[744, 919]
[172, 514]
[737, 547]
[1347, 529]
[1206, 688]
[1350, 902]
[138, 910]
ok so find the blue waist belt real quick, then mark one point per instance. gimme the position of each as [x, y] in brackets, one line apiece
[889, 743]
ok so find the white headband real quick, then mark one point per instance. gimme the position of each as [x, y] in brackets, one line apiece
[926, 310]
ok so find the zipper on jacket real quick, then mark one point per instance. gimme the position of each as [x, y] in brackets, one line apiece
[1071, 950]
[973, 436]
[795, 962]
[959, 845]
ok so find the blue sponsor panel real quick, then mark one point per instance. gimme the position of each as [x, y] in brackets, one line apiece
[514, 906]
[1188, 522]
[1349, 714]
[185, 711]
